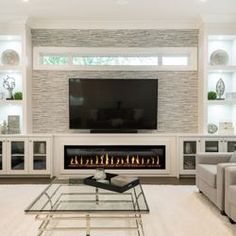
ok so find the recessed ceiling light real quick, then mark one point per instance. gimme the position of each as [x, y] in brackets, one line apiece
[25, 0]
[202, 0]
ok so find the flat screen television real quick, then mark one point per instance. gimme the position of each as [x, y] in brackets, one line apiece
[113, 104]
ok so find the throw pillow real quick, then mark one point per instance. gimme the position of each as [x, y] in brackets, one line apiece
[233, 158]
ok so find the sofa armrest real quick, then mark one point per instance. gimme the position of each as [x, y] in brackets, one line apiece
[230, 176]
[230, 179]
[213, 158]
[221, 169]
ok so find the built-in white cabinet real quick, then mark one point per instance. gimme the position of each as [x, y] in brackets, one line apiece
[191, 146]
[222, 144]
[17, 156]
[212, 145]
[25, 156]
[39, 153]
[229, 144]
[2, 156]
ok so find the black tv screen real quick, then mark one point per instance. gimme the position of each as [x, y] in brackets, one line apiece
[113, 104]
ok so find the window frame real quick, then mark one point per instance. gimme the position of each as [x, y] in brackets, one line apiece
[71, 52]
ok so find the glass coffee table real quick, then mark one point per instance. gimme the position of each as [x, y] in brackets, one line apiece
[89, 208]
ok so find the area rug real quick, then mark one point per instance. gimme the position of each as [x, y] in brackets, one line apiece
[174, 211]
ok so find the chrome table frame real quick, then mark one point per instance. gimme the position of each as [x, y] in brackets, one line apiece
[48, 218]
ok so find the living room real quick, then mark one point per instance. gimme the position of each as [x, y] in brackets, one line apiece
[117, 117]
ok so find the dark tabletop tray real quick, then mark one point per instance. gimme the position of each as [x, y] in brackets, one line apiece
[108, 186]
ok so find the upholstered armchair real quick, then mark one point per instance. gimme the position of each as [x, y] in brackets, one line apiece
[230, 193]
[210, 176]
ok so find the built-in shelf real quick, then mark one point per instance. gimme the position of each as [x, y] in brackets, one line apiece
[40, 155]
[14, 39]
[5, 68]
[17, 155]
[218, 111]
[222, 102]
[11, 102]
[222, 68]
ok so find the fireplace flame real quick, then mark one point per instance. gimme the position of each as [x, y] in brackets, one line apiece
[109, 161]
[102, 157]
[127, 159]
[118, 161]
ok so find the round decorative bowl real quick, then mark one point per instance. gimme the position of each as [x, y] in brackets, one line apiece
[219, 57]
[10, 57]
[212, 128]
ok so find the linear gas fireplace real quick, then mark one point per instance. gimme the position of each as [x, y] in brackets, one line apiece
[115, 157]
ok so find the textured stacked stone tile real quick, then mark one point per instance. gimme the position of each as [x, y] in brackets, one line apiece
[177, 99]
[177, 91]
[114, 38]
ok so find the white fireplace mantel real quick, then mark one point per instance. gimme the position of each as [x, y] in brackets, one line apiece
[116, 139]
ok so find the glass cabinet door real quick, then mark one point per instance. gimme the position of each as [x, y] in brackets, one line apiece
[17, 155]
[1, 155]
[39, 155]
[189, 158]
[211, 146]
[231, 146]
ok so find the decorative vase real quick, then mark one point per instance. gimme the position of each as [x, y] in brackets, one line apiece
[4, 128]
[9, 94]
[188, 148]
[220, 88]
[42, 148]
[9, 84]
[100, 174]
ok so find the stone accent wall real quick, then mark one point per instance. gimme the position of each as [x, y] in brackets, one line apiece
[177, 91]
[177, 99]
[114, 38]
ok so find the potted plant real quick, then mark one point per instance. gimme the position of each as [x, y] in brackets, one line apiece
[18, 96]
[212, 95]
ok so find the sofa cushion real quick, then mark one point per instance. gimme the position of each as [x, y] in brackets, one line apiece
[232, 194]
[208, 173]
[233, 158]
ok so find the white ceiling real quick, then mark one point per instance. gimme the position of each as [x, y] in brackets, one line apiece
[117, 10]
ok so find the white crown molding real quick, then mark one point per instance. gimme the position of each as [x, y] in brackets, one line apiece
[219, 19]
[78, 24]
[12, 28]
[220, 28]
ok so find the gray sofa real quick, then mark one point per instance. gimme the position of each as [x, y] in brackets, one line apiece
[210, 176]
[230, 193]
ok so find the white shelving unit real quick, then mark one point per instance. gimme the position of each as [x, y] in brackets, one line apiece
[16, 38]
[11, 107]
[221, 110]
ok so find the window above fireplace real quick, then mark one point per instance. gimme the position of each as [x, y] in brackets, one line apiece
[150, 59]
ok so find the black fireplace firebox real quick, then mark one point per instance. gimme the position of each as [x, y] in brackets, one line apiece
[115, 157]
